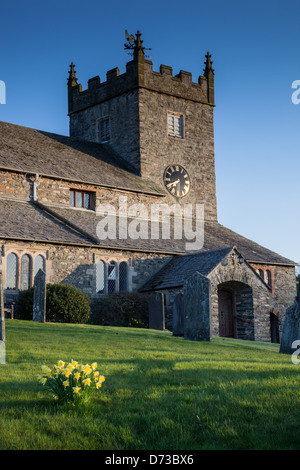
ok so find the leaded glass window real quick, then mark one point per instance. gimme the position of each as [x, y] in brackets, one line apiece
[81, 199]
[39, 263]
[123, 276]
[112, 277]
[25, 272]
[11, 271]
[100, 277]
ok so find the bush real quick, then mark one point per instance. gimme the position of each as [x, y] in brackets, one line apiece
[24, 304]
[64, 303]
[121, 309]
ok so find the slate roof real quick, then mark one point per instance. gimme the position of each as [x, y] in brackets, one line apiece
[216, 236]
[180, 268]
[23, 149]
[86, 223]
[24, 221]
[28, 221]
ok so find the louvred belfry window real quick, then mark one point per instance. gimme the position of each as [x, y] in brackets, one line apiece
[104, 130]
[175, 125]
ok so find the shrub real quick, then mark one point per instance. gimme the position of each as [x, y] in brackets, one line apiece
[64, 303]
[24, 304]
[121, 309]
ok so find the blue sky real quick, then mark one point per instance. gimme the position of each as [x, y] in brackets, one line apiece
[255, 48]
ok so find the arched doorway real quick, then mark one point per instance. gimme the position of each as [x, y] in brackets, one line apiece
[274, 328]
[235, 304]
[227, 318]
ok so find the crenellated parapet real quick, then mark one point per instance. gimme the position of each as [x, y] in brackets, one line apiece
[140, 74]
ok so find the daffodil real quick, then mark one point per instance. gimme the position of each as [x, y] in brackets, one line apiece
[87, 369]
[87, 382]
[46, 370]
[62, 373]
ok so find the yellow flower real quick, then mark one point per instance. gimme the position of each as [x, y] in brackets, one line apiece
[87, 382]
[75, 364]
[77, 375]
[102, 378]
[96, 373]
[67, 373]
[87, 369]
[98, 384]
[94, 365]
[70, 367]
[56, 397]
[46, 370]
[43, 380]
[76, 389]
[61, 363]
[66, 383]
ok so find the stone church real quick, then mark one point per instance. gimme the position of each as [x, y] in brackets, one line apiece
[145, 137]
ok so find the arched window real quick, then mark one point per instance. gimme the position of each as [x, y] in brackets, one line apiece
[11, 271]
[261, 273]
[112, 277]
[269, 278]
[100, 277]
[39, 263]
[123, 276]
[25, 272]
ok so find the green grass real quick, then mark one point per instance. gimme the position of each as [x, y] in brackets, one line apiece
[160, 393]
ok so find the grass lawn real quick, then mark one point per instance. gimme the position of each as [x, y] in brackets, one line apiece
[160, 393]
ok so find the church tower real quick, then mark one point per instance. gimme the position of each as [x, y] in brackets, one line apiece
[160, 123]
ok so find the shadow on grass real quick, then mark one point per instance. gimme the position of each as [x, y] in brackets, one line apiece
[159, 405]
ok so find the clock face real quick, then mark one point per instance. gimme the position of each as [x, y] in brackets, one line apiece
[177, 180]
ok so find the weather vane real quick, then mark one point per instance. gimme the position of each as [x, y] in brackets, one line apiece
[135, 43]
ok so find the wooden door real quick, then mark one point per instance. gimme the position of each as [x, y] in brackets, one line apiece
[226, 314]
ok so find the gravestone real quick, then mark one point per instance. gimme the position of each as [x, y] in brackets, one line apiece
[2, 312]
[156, 311]
[197, 308]
[291, 327]
[39, 297]
[178, 316]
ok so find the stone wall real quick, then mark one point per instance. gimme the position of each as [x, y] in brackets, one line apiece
[123, 112]
[195, 151]
[283, 289]
[76, 265]
[14, 186]
[254, 302]
[137, 104]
